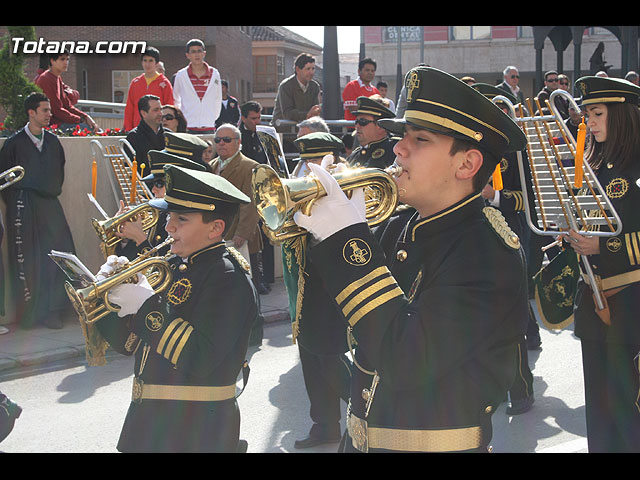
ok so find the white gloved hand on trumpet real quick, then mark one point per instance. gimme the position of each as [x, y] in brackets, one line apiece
[334, 211]
[130, 296]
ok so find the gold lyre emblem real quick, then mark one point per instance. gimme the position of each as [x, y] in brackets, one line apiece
[356, 252]
[412, 84]
[154, 321]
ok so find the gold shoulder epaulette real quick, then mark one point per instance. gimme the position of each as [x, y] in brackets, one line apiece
[501, 227]
[239, 258]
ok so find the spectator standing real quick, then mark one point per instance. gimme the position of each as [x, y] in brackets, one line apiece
[298, 96]
[551, 80]
[237, 169]
[197, 90]
[149, 83]
[149, 134]
[244, 234]
[252, 148]
[36, 223]
[250, 118]
[360, 87]
[230, 109]
[61, 97]
[383, 88]
[510, 83]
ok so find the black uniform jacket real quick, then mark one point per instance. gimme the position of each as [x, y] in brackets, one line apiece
[618, 255]
[198, 334]
[378, 154]
[440, 327]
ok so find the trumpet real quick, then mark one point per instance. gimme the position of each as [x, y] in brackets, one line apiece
[92, 302]
[277, 199]
[11, 176]
[107, 229]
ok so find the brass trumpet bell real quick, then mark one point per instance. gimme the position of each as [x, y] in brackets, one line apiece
[92, 303]
[107, 229]
[277, 199]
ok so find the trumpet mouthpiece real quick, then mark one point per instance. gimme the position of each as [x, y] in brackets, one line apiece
[394, 170]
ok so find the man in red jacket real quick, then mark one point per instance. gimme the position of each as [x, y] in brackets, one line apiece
[149, 83]
[61, 97]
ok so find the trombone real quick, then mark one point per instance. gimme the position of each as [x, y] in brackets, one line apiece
[11, 176]
[277, 199]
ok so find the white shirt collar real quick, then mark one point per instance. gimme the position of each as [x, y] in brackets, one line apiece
[36, 141]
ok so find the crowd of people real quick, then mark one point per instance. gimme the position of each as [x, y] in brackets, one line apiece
[420, 324]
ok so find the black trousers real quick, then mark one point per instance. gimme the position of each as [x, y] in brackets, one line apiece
[327, 379]
[612, 386]
[522, 386]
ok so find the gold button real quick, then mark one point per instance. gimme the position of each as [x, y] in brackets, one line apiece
[401, 255]
[488, 409]
[182, 267]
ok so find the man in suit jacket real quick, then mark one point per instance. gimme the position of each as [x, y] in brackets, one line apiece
[510, 83]
[244, 234]
[237, 168]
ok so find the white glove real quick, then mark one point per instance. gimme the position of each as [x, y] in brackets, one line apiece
[327, 161]
[334, 211]
[131, 296]
[111, 265]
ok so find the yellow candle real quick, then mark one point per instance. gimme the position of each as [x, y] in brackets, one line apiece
[134, 175]
[94, 177]
[582, 135]
[497, 178]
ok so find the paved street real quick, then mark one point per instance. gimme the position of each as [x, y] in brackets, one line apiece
[69, 407]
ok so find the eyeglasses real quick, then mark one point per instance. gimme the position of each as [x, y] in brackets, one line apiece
[363, 122]
[564, 83]
[168, 117]
[225, 139]
[515, 76]
[552, 80]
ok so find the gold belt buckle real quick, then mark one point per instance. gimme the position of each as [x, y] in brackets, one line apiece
[136, 394]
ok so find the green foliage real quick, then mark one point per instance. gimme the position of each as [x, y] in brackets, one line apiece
[14, 85]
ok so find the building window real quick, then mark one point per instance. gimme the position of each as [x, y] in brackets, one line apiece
[525, 32]
[120, 81]
[470, 33]
[268, 72]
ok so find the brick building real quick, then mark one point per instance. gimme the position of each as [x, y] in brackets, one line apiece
[105, 77]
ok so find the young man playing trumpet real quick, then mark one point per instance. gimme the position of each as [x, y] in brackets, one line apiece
[436, 317]
[189, 341]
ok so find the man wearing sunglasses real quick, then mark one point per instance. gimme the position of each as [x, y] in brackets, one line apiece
[244, 234]
[376, 146]
[551, 83]
[510, 83]
[237, 169]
